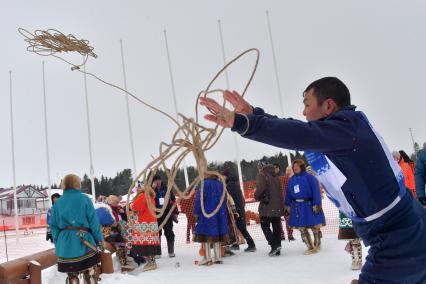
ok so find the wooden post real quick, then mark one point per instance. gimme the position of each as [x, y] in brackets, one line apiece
[35, 272]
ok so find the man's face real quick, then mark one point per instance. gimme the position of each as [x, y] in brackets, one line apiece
[314, 111]
[277, 170]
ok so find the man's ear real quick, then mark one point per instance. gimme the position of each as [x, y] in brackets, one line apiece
[330, 106]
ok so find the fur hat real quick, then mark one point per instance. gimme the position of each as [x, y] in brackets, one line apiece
[71, 181]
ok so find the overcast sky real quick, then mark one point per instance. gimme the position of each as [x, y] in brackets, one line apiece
[376, 47]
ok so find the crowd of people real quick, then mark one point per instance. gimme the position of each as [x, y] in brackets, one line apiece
[379, 198]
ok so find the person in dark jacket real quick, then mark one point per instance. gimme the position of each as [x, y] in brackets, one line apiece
[303, 205]
[160, 195]
[54, 197]
[271, 206]
[234, 189]
[356, 168]
[420, 176]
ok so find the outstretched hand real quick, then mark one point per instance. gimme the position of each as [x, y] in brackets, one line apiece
[223, 116]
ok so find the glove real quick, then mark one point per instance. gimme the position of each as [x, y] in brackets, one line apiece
[286, 211]
[422, 200]
[317, 209]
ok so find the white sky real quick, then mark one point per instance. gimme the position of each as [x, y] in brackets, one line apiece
[376, 47]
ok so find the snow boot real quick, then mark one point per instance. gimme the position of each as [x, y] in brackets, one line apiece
[150, 264]
[72, 278]
[89, 276]
[356, 253]
[317, 238]
[306, 237]
[216, 253]
[207, 259]
[171, 248]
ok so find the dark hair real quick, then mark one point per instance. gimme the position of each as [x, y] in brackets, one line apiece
[53, 196]
[330, 88]
[156, 177]
[277, 165]
[301, 164]
[405, 157]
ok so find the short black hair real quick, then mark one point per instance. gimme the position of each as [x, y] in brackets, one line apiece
[53, 196]
[276, 165]
[330, 88]
[156, 177]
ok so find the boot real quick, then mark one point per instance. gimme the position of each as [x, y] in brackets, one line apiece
[73, 278]
[356, 254]
[354, 281]
[122, 257]
[251, 246]
[207, 259]
[306, 237]
[317, 238]
[89, 276]
[150, 264]
[171, 248]
[216, 253]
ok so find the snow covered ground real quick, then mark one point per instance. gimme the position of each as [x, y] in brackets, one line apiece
[330, 265]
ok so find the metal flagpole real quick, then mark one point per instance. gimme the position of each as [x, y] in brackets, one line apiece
[92, 171]
[237, 151]
[280, 97]
[15, 197]
[185, 171]
[132, 145]
[49, 183]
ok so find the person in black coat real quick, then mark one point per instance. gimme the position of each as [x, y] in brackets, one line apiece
[234, 189]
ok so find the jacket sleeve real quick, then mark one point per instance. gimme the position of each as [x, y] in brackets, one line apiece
[54, 224]
[420, 175]
[93, 220]
[288, 193]
[334, 134]
[316, 193]
[260, 186]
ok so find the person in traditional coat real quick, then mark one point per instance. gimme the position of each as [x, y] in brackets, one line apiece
[303, 204]
[143, 238]
[76, 232]
[211, 231]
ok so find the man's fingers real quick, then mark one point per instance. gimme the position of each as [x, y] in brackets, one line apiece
[230, 97]
[211, 117]
[210, 103]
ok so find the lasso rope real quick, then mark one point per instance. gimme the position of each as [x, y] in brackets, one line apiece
[190, 136]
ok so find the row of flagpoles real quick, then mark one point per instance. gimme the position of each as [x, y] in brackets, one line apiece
[237, 152]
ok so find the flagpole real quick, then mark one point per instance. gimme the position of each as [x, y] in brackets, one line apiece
[92, 171]
[185, 171]
[15, 197]
[237, 151]
[274, 58]
[49, 182]
[132, 145]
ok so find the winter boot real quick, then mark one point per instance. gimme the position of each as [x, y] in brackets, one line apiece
[356, 253]
[171, 248]
[306, 237]
[89, 276]
[150, 264]
[216, 253]
[235, 247]
[354, 281]
[251, 246]
[317, 238]
[73, 278]
[207, 259]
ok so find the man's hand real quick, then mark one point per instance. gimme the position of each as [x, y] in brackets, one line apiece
[317, 209]
[240, 105]
[221, 115]
[286, 211]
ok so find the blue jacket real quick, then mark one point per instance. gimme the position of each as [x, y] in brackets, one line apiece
[420, 174]
[304, 186]
[104, 214]
[217, 225]
[73, 209]
[397, 238]
[161, 194]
